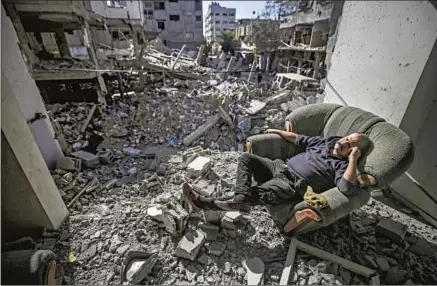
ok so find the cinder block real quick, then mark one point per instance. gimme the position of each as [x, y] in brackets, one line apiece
[69, 164]
[190, 244]
[90, 160]
[392, 230]
[105, 156]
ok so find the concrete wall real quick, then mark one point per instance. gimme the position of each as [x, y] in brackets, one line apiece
[28, 96]
[133, 8]
[385, 61]
[186, 31]
[317, 13]
[320, 34]
[213, 29]
[380, 52]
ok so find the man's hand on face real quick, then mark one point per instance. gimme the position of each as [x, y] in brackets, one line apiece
[354, 154]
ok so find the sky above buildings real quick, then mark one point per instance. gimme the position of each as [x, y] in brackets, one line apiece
[244, 8]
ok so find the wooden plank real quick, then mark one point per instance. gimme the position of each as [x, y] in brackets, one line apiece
[289, 261]
[41, 76]
[347, 264]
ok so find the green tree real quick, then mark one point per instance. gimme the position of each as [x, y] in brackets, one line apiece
[226, 40]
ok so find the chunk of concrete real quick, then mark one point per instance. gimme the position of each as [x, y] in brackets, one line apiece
[90, 160]
[204, 188]
[190, 244]
[69, 164]
[212, 217]
[217, 248]
[382, 264]
[198, 167]
[392, 230]
[156, 212]
[211, 231]
[255, 271]
[227, 223]
[212, 121]
[256, 106]
[233, 216]
[279, 98]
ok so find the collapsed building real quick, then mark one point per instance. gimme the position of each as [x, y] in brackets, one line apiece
[99, 165]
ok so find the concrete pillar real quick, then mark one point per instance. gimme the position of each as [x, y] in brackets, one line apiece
[252, 71]
[200, 54]
[62, 43]
[217, 59]
[87, 39]
[142, 78]
[268, 64]
[30, 198]
[317, 64]
[221, 59]
[299, 66]
[30, 57]
[288, 66]
[14, 68]
[231, 63]
[239, 63]
[178, 57]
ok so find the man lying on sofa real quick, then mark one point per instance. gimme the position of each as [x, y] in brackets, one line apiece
[325, 162]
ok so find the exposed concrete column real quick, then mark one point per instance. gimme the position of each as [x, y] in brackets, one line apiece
[200, 54]
[317, 64]
[92, 54]
[231, 63]
[268, 64]
[252, 69]
[27, 94]
[178, 57]
[239, 63]
[30, 198]
[30, 57]
[61, 40]
[221, 59]
[217, 59]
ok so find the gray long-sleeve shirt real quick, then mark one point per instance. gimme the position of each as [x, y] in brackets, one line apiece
[320, 169]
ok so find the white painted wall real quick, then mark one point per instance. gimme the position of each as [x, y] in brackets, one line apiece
[381, 50]
[385, 61]
[28, 96]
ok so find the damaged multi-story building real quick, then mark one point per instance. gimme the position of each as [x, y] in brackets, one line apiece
[178, 22]
[306, 32]
[219, 19]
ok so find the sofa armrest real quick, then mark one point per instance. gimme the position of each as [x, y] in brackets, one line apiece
[270, 146]
[339, 206]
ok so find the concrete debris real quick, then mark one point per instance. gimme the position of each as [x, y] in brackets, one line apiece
[189, 245]
[198, 167]
[141, 138]
[392, 230]
[210, 231]
[217, 248]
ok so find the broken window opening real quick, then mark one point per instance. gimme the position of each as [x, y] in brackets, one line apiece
[115, 35]
[159, 5]
[161, 25]
[173, 1]
[174, 18]
[198, 18]
[225, 14]
[114, 4]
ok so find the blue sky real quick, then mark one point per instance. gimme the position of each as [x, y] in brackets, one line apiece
[244, 8]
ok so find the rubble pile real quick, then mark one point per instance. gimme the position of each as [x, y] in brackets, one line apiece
[129, 206]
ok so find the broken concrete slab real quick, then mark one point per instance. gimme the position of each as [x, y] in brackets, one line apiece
[213, 217]
[279, 98]
[422, 247]
[212, 121]
[217, 248]
[382, 264]
[391, 229]
[198, 167]
[233, 216]
[256, 106]
[156, 212]
[255, 271]
[211, 231]
[190, 244]
[204, 188]
[90, 160]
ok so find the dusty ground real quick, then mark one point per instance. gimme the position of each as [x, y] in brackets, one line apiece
[108, 223]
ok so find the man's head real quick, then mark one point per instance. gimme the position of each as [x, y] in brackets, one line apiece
[343, 147]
